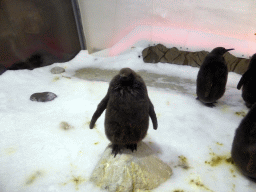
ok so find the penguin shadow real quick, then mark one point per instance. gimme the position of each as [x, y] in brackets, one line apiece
[143, 150]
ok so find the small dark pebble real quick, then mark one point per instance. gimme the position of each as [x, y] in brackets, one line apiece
[43, 97]
[57, 70]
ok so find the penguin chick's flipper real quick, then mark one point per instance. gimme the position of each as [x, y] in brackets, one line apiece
[251, 167]
[152, 115]
[115, 149]
[249, 105]
[132, 147]
[243, 79]
[246, 76]
[101, 107]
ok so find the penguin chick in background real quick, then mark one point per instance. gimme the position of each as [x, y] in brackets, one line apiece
[248, 81]
[212, 77]
[128, 109]
[243, 150]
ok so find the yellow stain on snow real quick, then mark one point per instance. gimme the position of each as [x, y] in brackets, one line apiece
[225, 109]
[241, 113]
[56, 78]
[76, 180]
[220, 144]
[158, 115]
[217, 160]
[10, 150]
[183, 162]
[33, 177]
[197, 183]
[66, 77]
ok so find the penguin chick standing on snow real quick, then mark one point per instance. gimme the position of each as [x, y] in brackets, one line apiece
[244, 145]
[248, 81]
[212, 77]
[128, 108]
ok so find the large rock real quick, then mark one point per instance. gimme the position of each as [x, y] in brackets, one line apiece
[195, 59]
[130, 172]
[242, 66]
[160, 53]
[231, 61]
[153, 54]
[170, 55]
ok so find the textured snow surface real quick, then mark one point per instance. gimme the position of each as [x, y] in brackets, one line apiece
[48, 147]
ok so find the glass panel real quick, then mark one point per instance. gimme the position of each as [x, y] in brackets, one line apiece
[37, 31]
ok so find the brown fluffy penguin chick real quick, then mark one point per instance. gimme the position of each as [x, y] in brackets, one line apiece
[248, 81]
[244, 145]
[128, 109]
[212, 77]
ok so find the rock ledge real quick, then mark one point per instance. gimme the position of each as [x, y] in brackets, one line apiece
[130, 172]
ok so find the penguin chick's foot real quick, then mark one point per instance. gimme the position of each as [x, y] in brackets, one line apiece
[116, 149]
[132, 147]
[210, 104]
[207, 104]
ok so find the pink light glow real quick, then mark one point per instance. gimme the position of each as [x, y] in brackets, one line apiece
[183, 35]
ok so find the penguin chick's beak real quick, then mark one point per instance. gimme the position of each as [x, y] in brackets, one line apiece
[229, 49]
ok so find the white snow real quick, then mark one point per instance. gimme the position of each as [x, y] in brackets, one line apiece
[36, 155]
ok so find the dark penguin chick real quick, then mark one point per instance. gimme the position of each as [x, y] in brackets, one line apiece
[212, 77]
[128, 108]
[34, 61]
[244, 145]
[248, 81]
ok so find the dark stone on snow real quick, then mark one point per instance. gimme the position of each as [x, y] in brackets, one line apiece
[2, 69]
[159, 53]
[43, 97]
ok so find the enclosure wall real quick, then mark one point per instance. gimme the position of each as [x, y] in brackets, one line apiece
[186, 24]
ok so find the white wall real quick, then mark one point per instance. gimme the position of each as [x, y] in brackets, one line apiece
[187, 24]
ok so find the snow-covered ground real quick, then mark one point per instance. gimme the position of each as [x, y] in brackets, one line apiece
[38, 155]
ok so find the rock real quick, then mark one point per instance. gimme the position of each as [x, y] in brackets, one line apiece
[201, 56]
[231, 61]
[57, 70]
[65, 126]
[161, 48]
[149, 56]
[171, 54]
[154, 54]
[181, 59]
[159, 53]
[43, 97]
[195, 59]
[128, 172]
[242, 66]
[2, 69]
